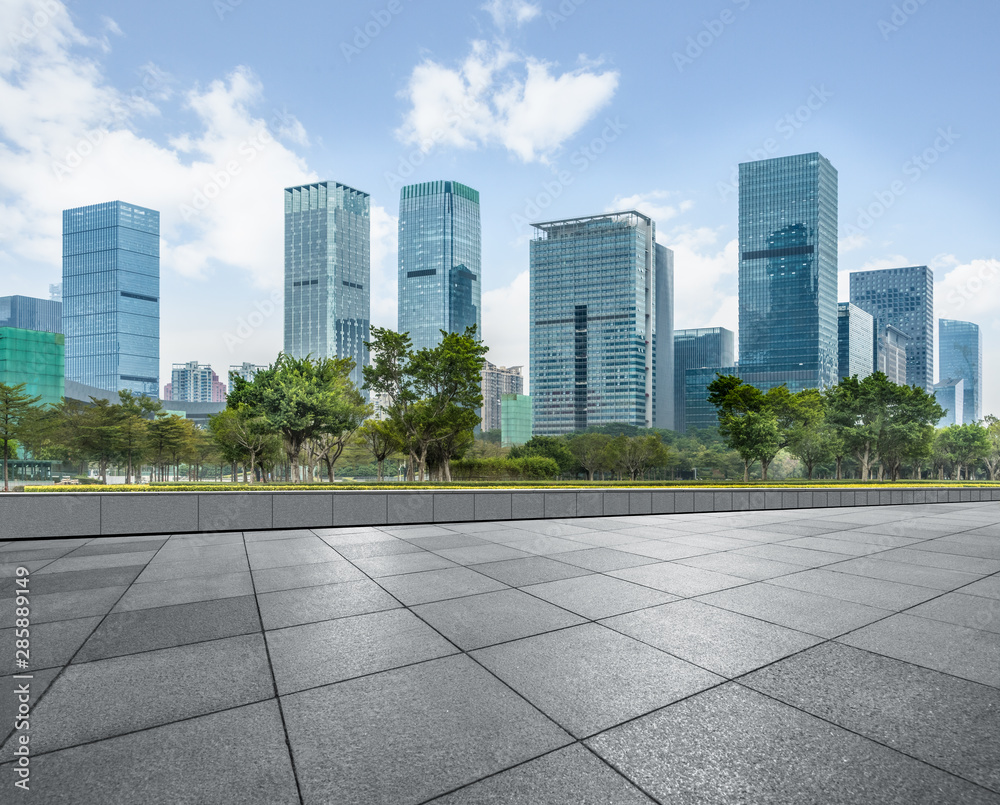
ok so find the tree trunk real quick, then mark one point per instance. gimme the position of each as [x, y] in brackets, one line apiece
[746, 471]
[379, 472]
[446, 470]
[590, 475]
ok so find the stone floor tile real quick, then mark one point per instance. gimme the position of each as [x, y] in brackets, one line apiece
[185, 591]
[680, 580]
[598, 596]
[292, 577]
[313, 604]
[437, 585]
[531, 570]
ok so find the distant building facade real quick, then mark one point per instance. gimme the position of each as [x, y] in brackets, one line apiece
[903, 298]
[515, 419]
[36, 358]
[950, 395]
[596, 324]
[788, 271]
[111, 296]
[328, 273]
[497, 381]
[892, 355]
[245, 370]
[30, 313]
[695, 349]
[440, 261]
[961, 356]
[194, 382]
[856, 334]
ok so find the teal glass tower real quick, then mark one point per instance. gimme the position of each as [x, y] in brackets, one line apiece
[856, 336]
[111, 296]
[788, 272]
[440, 261]
[328, 273]
[601, 317]
[961, 358]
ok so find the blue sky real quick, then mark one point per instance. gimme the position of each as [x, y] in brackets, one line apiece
[206, 110]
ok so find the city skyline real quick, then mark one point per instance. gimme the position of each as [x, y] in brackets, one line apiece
[210, 140]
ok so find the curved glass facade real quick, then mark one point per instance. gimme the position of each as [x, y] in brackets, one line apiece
[961, 358]
[440, 263]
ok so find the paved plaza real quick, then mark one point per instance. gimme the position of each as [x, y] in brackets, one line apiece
[799, 656]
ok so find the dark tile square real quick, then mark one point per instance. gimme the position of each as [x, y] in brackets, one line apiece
[185, 591]
[52, 644]
[312, 604]
[437, 585]
[531, 570]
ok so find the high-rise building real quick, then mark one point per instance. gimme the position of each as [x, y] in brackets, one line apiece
[695, 349]
[35, 358]
[891, 354]
[664, 409]
[904, 298]
[597, 324]
[111, 296]
[194, 382]
[497, 381]
[328, 273]
[961, 356]
[515, 419]
[950, 395]
[440, 261]
[245, 370]
[29, 313]
[856, 334]
[788, 271]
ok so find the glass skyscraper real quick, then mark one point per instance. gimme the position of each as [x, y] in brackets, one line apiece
[788, 272]
[856, 336]
[904, 299]
[695, 349]
[111, 296]
[440, 261]
[328, 273]
[961, 357]
[598, 323]
[29, 313]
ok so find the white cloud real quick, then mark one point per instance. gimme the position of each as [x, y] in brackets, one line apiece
[506, 325]
[852, 242]
[507, 12]
[499, 98]
[705, 278]
[384, 268]
[654, 204]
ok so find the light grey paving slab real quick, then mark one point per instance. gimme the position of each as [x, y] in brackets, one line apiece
[751, 568]
[664, 550]
[447, 540]
[967, 653]
[840, 546]
[795, 556]
[961, 545]
[947, 722]
[723, 642]
[173, 552]
[52, 644]
[368, 549]
[404, 736]
[185, 591]
[68, 564]
[437, 585]
[988, 587]
[293, 577]
[531, 570]
[541, 545]
[323, 653]
[859, 589]
[312, 604]
[398, 564]
[598, 596]
[479, 554]
[971, 611]
[604, 559]
[207, 540]
[734, 745]
[285, 553]
[164, 627]
[276, 535]
[230, 758]
[133, 545]
[96, 700]
[677, 579]
[9, 570]
[570, 776]
[482, 620]
[806, 612]
[925, 558]
[195, 567]
[919, 575]
[613, 677]
[63, 606]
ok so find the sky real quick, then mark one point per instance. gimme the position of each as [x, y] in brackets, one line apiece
[206, 109]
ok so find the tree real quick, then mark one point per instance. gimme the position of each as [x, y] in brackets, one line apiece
[970, 444]
[748, 421]
[134, 414]
[992, 457]
[382, 440]
[638, 453]
[548, 447]
[811, 444]
[590, 451]
[14, 405]
[100, 434]
[249, 432]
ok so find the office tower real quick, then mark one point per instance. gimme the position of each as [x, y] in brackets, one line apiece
[194, 382]
[496, 381]
[55, 292]
[695, 349]
[904, 298]
[35, 358]
[515, 419]
[961, 356]
[439, 261]
[891, 354]
[328, 273]
[596, 323]
[664, 409]
[29, 313]
[788, 272]
[111, 296]
[856, 334]
[950, 395]
[245, 370]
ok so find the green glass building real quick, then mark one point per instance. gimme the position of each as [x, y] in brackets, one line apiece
[35, 358]
[515, 419]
